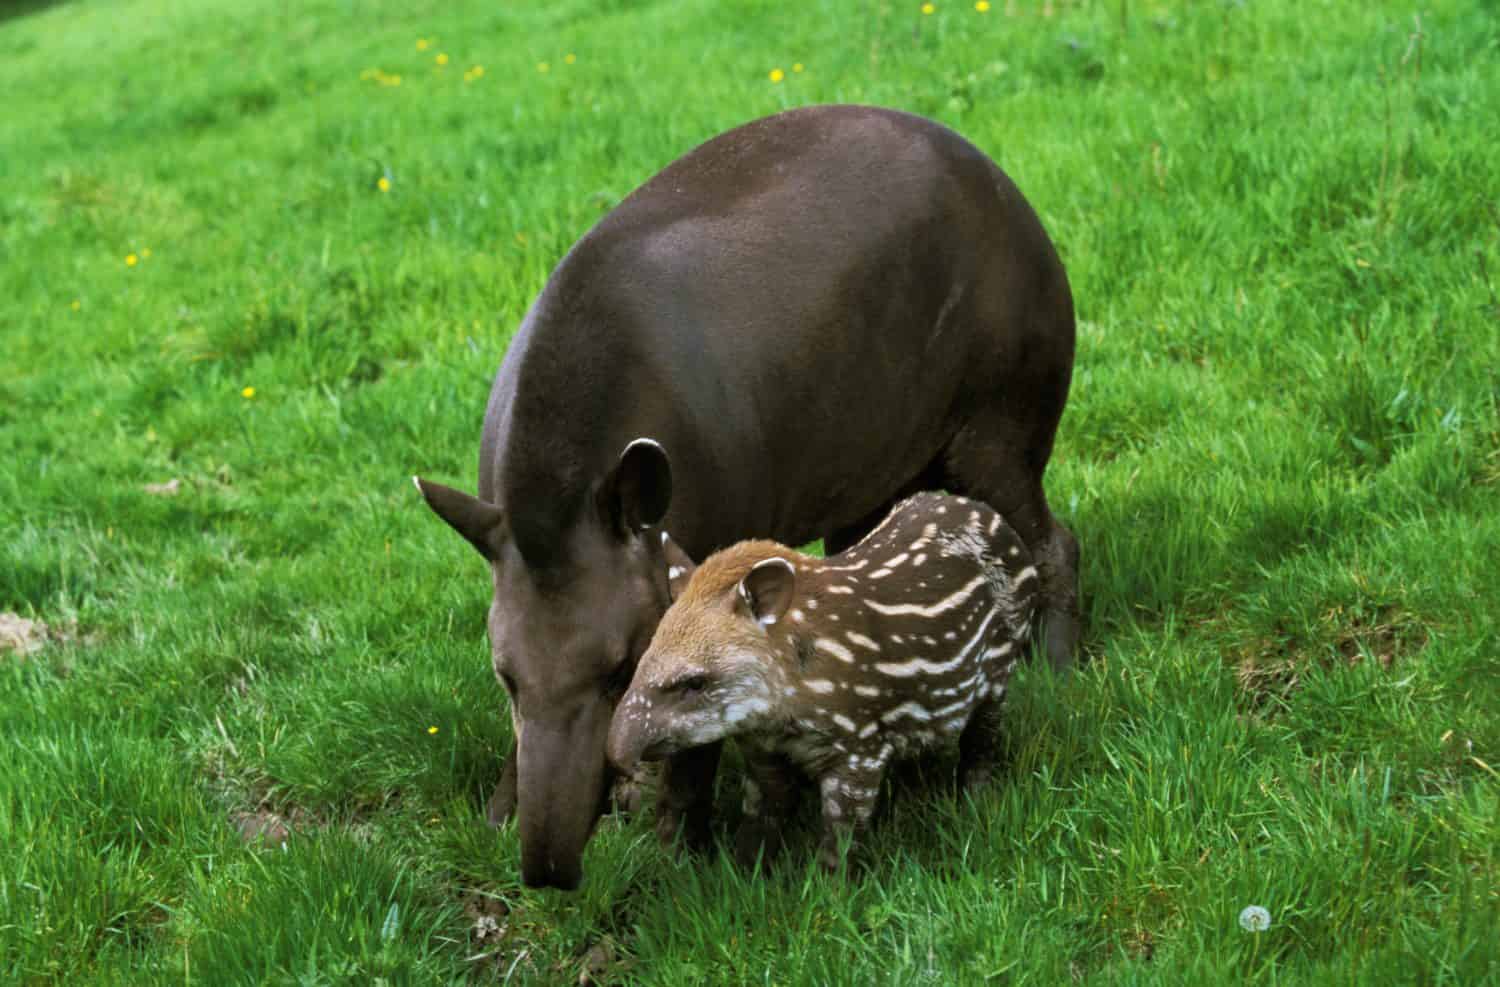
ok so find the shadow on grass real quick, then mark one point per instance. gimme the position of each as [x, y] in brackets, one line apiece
[13, 9]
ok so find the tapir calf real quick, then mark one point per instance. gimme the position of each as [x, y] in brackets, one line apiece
[780, 335]
[831, 668]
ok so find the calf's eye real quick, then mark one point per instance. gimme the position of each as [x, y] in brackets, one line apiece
[691, 683]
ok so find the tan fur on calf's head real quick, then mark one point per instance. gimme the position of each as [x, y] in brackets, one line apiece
[716, 661]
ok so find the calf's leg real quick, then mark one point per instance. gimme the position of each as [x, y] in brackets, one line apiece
[770, 797]
[979, 744]
[685, 806]
[849, 795]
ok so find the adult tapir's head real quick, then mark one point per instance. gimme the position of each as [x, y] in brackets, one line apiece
[574, 608]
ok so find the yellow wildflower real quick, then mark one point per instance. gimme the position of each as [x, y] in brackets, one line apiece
[247, 393]
[983, 6]
[570, 58]
[543, 67]
[130, 260]
[76, 305]
[777, 75]
[384, 184]
[928, 8]
[423, 44]
[145, 253]
[442, 58]
[796, 66]
[432, 729]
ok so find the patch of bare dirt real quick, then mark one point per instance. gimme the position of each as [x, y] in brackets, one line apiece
[1269, 670]
[23, 636]
[262, 826]
[1387, 638]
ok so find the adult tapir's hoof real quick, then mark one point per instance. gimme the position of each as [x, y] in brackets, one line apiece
[1061, 624]
[501, 808]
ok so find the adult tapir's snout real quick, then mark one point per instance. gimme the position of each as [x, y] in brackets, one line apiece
[561, 783]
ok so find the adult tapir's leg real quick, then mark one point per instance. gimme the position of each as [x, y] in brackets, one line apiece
[686, 802]
[502, 804]
[997, 461]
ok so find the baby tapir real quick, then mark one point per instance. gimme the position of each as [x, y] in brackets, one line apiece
[833, 667]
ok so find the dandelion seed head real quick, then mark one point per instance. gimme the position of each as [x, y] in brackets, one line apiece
[1254, 918]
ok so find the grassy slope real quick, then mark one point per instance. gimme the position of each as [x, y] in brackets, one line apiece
[1281, 459]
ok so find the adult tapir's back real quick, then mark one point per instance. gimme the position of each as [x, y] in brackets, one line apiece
[780, 335]
[819, 302]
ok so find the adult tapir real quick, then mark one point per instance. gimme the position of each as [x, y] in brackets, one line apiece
[780, 335]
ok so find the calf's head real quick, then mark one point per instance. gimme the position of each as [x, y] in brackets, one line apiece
[568, 622]
[714, 666]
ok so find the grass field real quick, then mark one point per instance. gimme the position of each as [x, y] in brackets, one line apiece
[270, 255]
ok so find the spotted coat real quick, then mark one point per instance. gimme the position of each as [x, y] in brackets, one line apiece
[831, 668]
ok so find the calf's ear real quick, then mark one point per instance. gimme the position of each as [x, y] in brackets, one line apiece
[481, 523]
[680, 567]
[638, 491]
[766, 591]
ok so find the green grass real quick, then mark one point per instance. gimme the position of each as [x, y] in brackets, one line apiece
[1282, 458]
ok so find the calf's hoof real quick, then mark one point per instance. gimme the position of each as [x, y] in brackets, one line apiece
[757, 843]
[975, 778]
[688, 831]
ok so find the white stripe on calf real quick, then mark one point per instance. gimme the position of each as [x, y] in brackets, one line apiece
[913, 710]
[906, 669]
[822, 686]
[862, 641]
[942, 606]
[834, 648]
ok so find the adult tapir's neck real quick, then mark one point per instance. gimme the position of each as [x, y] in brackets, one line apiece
[577, 385]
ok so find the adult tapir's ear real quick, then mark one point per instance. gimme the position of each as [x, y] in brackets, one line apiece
[478, 521]
[638, 491]
[766, 591]
[679, 566]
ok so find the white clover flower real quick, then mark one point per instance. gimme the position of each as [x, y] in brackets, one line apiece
[1254, 918]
